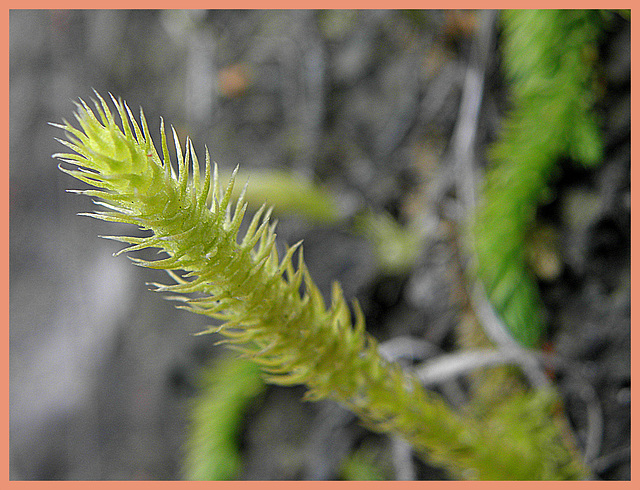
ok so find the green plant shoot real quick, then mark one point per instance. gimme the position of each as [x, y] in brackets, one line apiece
[269, 309]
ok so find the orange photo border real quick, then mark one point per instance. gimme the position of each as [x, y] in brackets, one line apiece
[281, 4]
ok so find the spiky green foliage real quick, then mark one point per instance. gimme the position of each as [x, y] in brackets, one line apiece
[548, 58]
[270, 310]
[226, 389]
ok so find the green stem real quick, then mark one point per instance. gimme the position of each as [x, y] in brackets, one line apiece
[270, 310]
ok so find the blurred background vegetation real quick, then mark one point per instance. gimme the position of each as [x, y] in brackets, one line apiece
[371, 110]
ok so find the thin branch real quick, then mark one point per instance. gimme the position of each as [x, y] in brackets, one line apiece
[450, 366]
[403, 459]
[496, 330]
